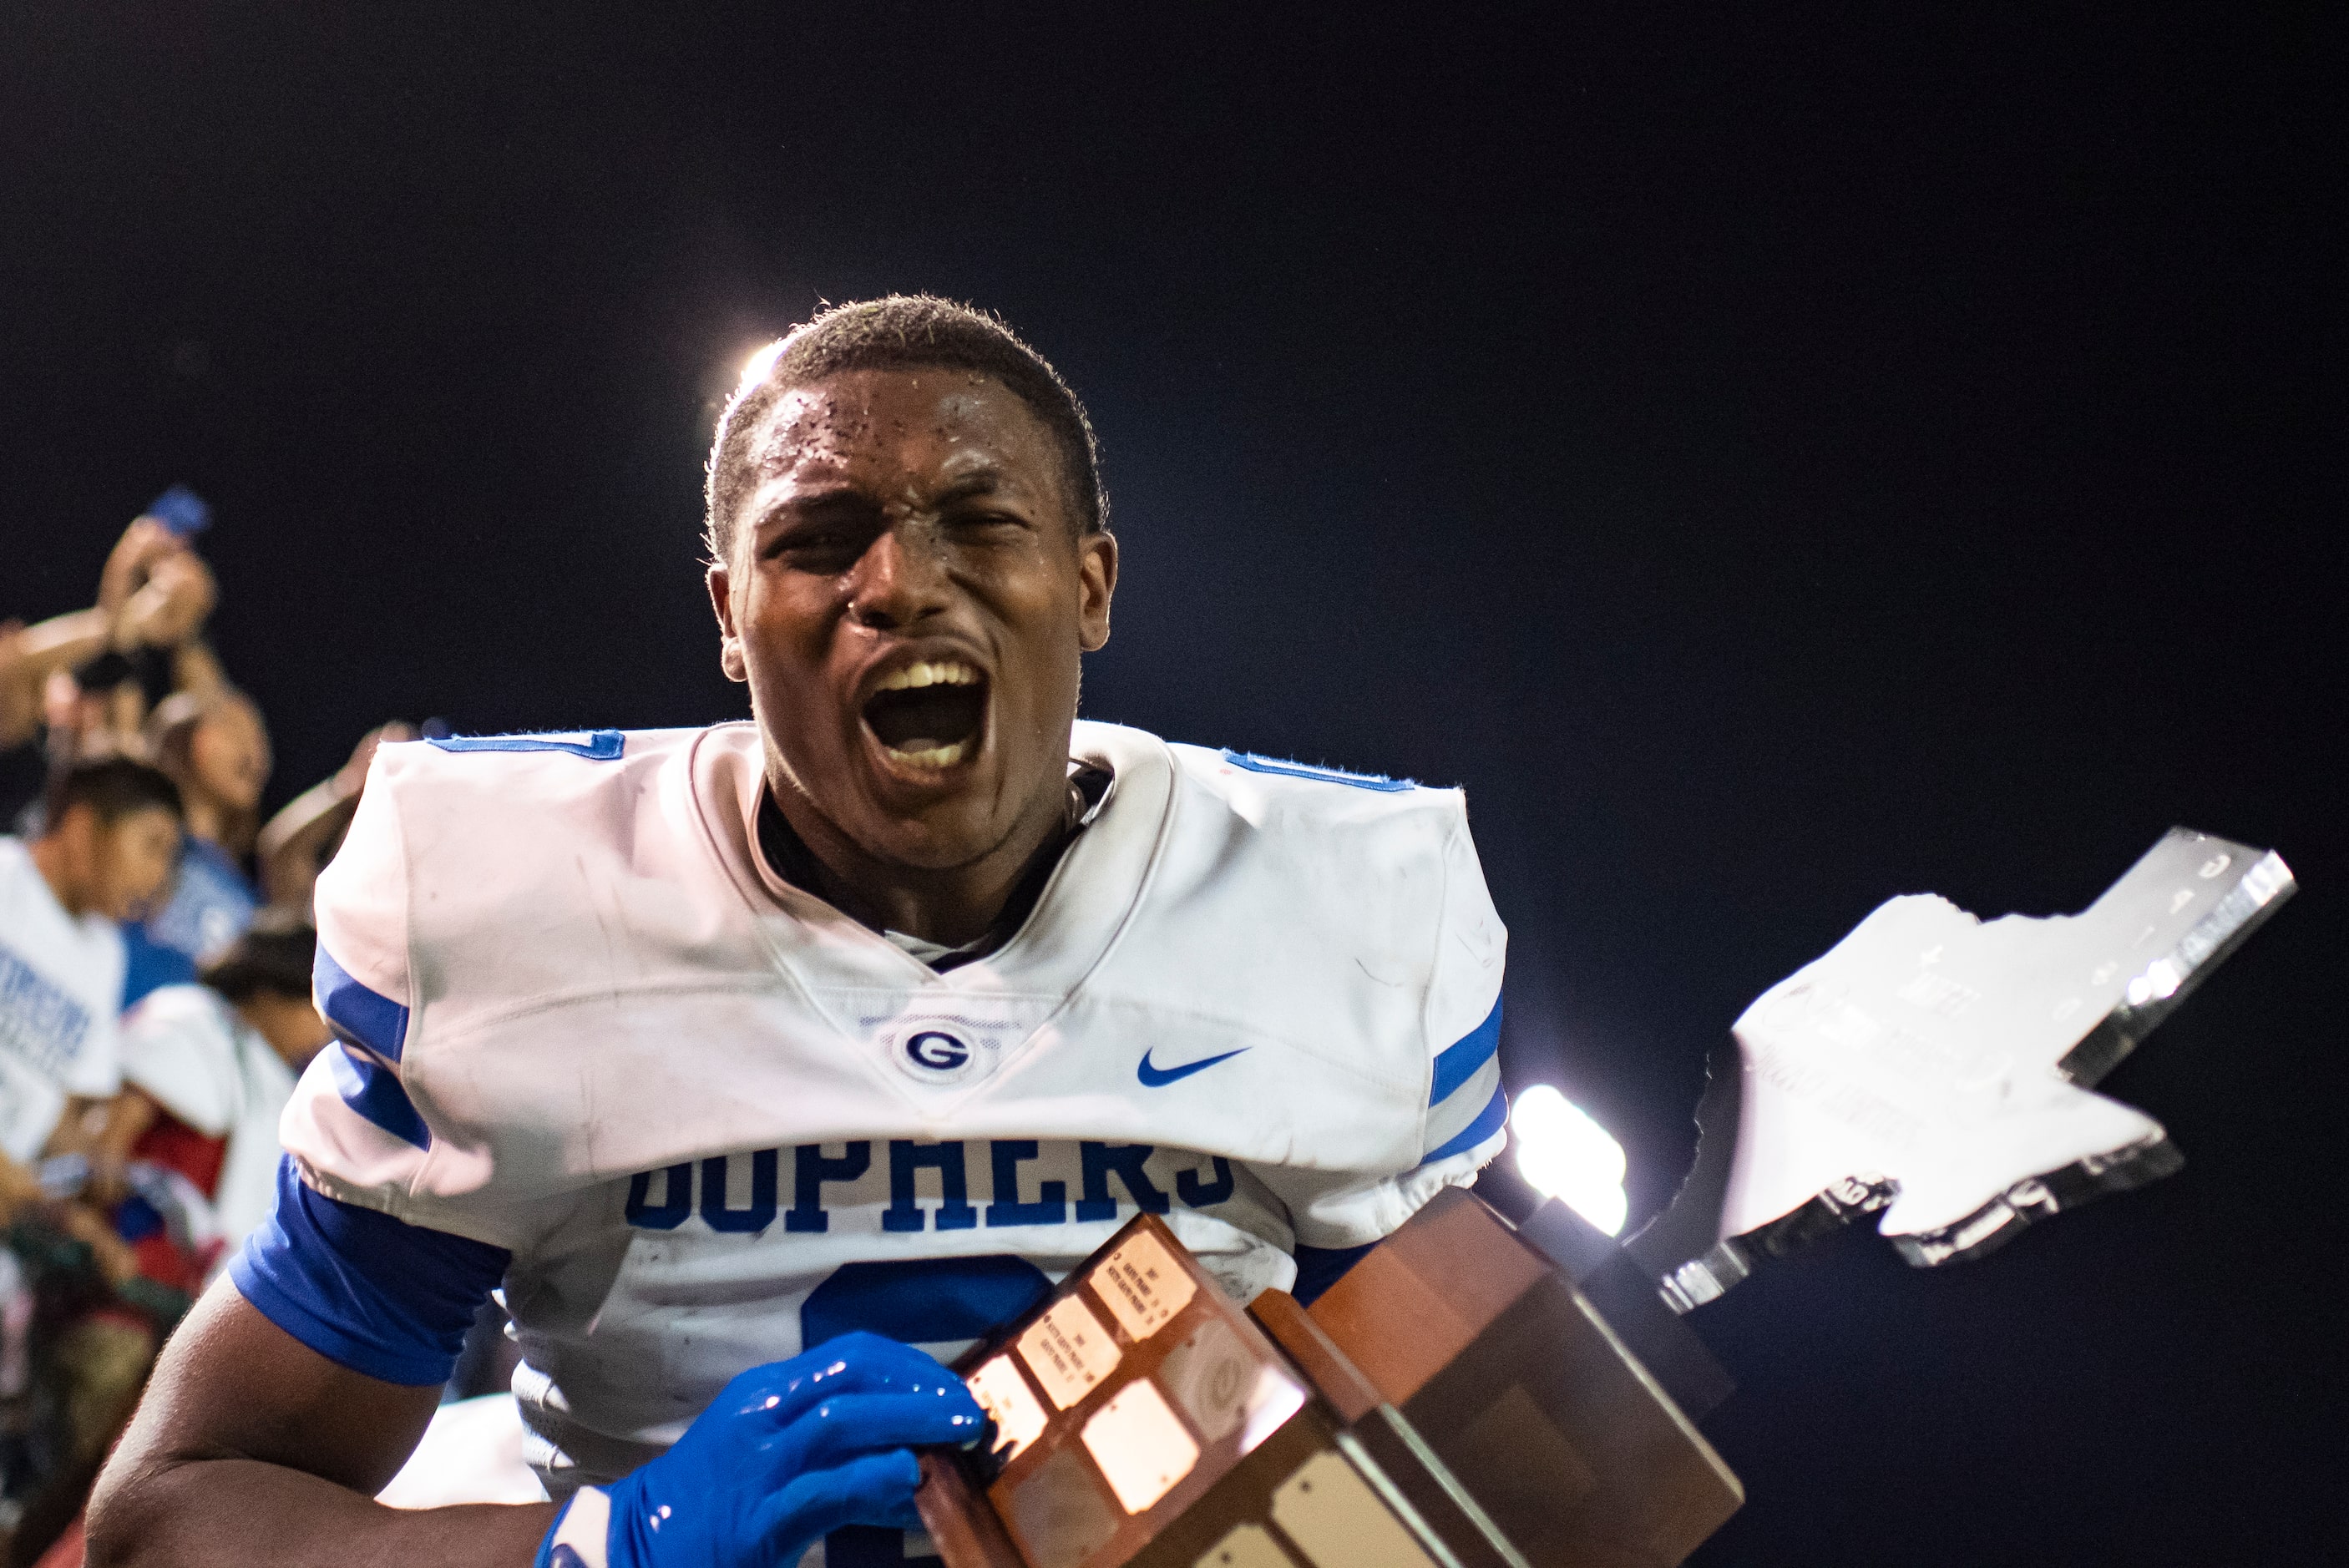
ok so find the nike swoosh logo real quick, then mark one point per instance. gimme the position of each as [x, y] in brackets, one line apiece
[1159, 1078]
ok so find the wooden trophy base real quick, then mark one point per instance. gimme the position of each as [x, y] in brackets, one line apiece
[1454, 1402]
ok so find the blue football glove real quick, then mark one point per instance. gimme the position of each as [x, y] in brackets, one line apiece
[787, 1453]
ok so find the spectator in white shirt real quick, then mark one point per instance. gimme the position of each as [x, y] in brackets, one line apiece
[111, 832]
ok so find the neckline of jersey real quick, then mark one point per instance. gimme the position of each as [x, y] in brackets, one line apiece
[784, 853]
[1078, 918]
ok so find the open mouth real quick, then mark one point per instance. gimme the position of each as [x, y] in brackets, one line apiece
[929, 715]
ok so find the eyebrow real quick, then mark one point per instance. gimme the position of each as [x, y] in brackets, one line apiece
[835, 498]
[980, 482]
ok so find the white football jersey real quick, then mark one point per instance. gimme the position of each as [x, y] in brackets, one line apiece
[714, 1119]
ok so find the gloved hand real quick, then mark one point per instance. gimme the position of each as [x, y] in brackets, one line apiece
[787, 1453]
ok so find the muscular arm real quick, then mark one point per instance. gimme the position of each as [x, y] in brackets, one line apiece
[251, 1448]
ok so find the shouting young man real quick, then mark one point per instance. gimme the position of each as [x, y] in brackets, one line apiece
[759, 1063]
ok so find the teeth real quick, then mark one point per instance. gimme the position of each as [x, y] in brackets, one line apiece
[948, 672]
[936, 757]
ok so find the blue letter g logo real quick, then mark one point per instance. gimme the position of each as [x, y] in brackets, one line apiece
[936, 1050]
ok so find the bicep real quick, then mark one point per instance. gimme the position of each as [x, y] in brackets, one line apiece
[234, 1385]
[251, 1447]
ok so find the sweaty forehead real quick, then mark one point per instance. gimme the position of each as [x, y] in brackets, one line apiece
[900, 433]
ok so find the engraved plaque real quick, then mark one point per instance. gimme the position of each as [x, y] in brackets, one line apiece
[1141, 1286]
[1069, 1351]
[1140, 1445]
[1004, 1395]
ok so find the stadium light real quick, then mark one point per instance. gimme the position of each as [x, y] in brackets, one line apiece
[1563, 1154]
[755, 368]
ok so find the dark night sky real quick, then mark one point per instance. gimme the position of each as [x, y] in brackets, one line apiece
[1774, 457]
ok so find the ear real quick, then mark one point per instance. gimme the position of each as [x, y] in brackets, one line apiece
[1096, 581]
[729, 639]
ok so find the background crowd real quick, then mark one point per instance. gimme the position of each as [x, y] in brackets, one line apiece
[155, 997]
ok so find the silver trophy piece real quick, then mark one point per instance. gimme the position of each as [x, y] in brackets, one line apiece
[1937, 1068]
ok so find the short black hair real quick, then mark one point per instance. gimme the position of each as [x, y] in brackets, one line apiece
[113, 787]
[903, 332]
[275, 956]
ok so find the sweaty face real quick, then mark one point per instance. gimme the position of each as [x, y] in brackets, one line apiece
[908, 596]
[132, 860]
[229, 755]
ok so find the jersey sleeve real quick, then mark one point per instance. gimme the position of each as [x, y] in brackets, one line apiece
[1465, 1119]
[1466, 1109]
[389, 1300]
[351, 1125]
[343, 1264]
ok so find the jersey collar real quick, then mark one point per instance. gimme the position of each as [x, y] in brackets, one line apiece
[846, 969]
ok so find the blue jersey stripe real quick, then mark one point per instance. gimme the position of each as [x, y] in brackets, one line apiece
[1459, 1061]
[1287, 769]
[369, 1017]
[374, 1091]
[595, 745]
[1488, 1121]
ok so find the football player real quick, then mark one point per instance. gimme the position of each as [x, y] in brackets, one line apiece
[758, 1064]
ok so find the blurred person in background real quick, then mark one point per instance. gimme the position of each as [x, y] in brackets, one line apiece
[157, 592]
[207, 1069]
[73, 1348]
[110, 832]
[115, 1205]
[131, 675]
[137, 643]
[215, 747]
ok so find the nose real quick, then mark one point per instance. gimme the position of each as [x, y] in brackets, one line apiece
[900, 581]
